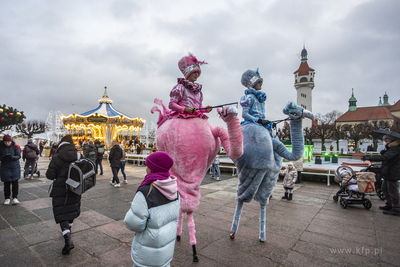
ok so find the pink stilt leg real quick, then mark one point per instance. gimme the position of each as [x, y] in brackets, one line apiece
[180, 222]
[192, 231]
[192, 235]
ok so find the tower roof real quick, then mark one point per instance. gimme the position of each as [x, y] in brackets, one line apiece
[304, 68]
[380, 102]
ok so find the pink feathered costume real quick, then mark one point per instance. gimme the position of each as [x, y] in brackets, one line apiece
[193, 142]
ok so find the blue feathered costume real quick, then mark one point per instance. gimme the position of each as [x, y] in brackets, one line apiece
[259, 166]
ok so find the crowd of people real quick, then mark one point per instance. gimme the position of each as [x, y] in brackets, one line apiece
[154, 211]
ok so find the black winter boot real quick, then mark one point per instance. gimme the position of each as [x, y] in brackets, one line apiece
[68, 244]
[285, 196]
[290, 197]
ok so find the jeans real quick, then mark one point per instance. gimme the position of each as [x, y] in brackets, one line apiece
[30, 166]
[123, 169]
[115, 171]
[213, 167]
[7, 189]
[99, 162]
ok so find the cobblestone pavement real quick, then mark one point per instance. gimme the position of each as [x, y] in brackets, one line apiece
[311, 230]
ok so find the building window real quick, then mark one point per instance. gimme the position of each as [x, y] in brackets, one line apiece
[304, 79]
[310, 79]
[303, 106]
[303, 95]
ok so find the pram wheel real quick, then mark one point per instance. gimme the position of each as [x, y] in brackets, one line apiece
[343, 203]
[335, 198]
[367, 204]
[380, 194]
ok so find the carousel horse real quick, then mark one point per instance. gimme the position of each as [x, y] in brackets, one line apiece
[193, 143]
[259, 166]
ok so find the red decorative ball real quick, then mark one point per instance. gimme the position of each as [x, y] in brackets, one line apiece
[2, 118]
[11, 113]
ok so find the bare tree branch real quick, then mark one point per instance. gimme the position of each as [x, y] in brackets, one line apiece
[32, 127]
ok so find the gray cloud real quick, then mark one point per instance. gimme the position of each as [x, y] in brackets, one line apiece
[59, 55]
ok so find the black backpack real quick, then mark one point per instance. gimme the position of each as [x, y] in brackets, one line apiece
[81, 176]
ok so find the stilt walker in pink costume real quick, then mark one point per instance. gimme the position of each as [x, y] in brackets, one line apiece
[186, 135]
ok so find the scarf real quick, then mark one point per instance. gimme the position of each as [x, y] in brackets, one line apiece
[154, 176]
[194, 87]
[261, 96]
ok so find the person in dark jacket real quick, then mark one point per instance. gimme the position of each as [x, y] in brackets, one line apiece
[99, 158]
[53, 150]
[66, 204]
[115, 162]
[29, 155]
[10, 170]
[41, 148]
[91, 152]
[390, 158]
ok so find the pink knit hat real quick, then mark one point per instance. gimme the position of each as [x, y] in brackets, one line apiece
[159, 161]
[189, 64]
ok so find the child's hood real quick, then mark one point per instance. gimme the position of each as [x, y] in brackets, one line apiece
[167, 187]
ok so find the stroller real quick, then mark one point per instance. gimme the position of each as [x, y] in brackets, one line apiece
[35, 169]
[353, 187]
[376, 168]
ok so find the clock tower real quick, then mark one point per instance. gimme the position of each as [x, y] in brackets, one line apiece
[304, 84]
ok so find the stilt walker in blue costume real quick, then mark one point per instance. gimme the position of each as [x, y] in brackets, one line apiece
[259, 166]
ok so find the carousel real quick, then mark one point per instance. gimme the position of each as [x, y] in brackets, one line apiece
[104, 123]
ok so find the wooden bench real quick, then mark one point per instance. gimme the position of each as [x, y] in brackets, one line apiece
[320, 172]
[227, 166]
[137, 159]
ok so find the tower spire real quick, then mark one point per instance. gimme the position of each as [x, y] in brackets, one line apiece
[352, 101]
[304, 54]
[105, 98]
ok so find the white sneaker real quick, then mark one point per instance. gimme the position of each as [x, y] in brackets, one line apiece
[111, 183]
[7, 201]
[117, 185]
[218, 178]
[15, 201]
[125, 181]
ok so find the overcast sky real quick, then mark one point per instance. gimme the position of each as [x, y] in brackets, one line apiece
[59, 55]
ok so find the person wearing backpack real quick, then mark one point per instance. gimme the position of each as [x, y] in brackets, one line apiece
[66, 204]
[100, 152]
[91, 152]
[29, 155]
[115, 162]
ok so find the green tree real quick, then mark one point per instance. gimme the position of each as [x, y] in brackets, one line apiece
[10, 116]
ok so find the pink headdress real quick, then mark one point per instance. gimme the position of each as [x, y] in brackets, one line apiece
[189, 64]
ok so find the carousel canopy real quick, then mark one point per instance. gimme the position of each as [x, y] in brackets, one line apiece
[104, 122]
[105, 108]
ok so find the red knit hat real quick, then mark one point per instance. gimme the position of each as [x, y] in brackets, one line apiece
[7, 138]
[159, 161]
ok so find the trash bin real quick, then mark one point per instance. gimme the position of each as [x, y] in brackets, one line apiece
[335, 158]
[327, 157]
[318, 160]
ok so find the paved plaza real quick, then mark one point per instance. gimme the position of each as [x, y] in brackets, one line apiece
[311, 230]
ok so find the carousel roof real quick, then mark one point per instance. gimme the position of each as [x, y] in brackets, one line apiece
[105, 108]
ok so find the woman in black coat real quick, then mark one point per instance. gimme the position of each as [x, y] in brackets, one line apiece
[66, 204]
[10, 169]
